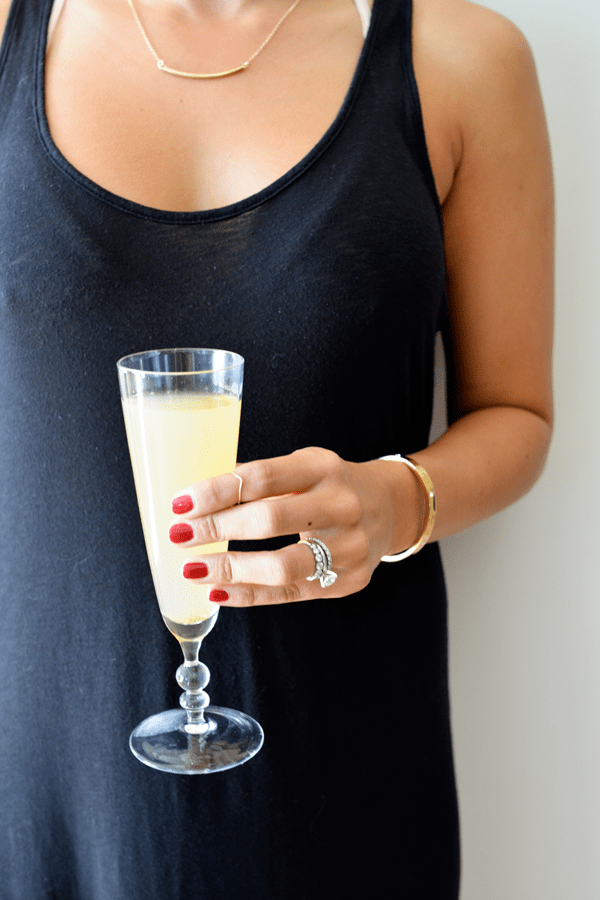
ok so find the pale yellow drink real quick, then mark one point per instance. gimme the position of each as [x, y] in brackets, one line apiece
[176, 440]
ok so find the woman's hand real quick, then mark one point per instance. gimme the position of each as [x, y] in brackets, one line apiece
[362, 511]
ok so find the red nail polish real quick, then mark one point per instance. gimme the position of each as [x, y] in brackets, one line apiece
[180, 532]
[218, 596]
[182, 504]
[195, 570]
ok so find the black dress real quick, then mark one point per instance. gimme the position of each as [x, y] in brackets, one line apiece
[330, 283]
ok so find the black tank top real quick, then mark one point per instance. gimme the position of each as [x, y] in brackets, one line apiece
[330, 282]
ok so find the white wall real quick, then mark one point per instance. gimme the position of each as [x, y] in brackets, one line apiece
[525, 586]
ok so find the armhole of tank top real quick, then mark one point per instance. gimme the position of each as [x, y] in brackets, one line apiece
[444, 352]
[416, 110]
[8, 32]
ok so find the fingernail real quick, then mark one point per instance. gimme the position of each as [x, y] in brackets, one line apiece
[195, 570]
[182, 504]
[218, 596]
[180, 532]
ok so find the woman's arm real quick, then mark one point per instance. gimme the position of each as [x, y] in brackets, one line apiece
[498, 219]
[489, 149]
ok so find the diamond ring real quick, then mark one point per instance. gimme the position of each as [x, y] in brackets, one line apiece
[323, 562]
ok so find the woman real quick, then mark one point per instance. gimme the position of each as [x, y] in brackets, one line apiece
[291, 211]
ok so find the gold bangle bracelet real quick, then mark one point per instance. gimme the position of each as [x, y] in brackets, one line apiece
[427, 486]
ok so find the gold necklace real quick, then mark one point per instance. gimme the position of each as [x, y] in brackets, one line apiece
[163, 68]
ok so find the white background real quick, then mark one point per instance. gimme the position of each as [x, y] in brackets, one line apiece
[525, 586]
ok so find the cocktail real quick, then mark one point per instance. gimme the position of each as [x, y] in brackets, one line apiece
[182, 414]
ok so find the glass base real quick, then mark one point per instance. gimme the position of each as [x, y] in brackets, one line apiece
[228, 739]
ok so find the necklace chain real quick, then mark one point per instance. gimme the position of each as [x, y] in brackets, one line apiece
[163, 68]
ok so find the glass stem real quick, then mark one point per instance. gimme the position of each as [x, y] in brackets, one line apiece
[192, 678]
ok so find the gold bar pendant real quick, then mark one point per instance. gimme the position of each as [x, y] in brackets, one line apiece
[170, 71]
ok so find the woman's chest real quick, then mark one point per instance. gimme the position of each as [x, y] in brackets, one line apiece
[182, 144]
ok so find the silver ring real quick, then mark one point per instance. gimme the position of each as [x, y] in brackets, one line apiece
[320, 559]
[323, 562]
[325, 549]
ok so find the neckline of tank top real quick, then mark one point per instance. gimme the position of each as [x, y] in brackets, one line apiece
[180, 217]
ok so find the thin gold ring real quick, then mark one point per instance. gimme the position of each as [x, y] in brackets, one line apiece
[241, 481]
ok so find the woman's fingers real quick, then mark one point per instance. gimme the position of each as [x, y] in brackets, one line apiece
[264, 478]
[268, 567]
[279, 576]
[320, 508]
[311, 492]
[256, 521]
[259, 595]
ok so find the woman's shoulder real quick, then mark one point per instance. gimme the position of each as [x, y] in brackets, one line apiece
[476, 64]
[473, 67]
[458, 17]
[474, 43]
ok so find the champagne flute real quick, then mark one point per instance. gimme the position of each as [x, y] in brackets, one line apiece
[182, 415]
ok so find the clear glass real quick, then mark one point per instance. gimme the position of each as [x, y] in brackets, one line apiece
[182, 414]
